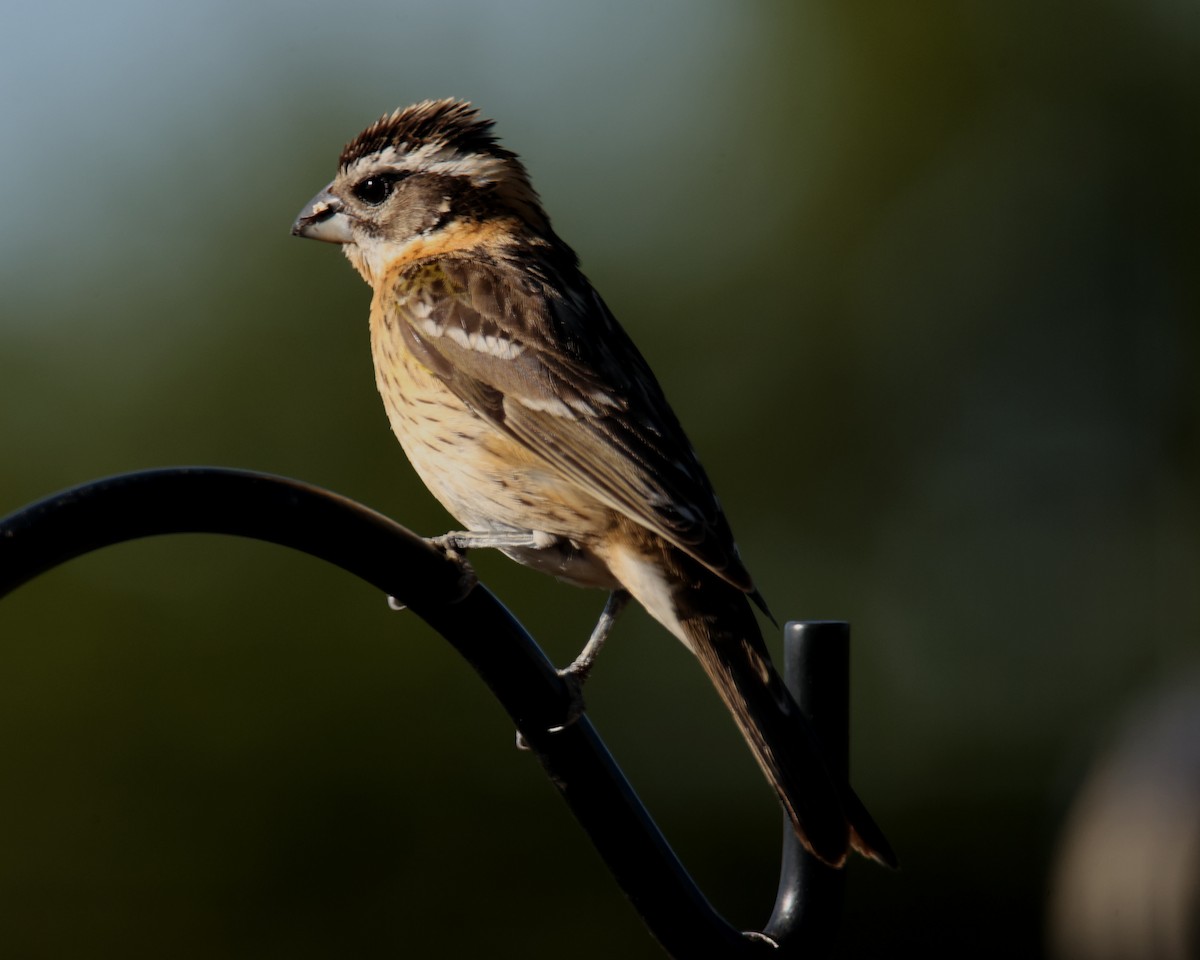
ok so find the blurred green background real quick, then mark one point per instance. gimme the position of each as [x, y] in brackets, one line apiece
[921, 282]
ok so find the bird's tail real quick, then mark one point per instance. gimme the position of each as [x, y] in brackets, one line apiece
[715, 621]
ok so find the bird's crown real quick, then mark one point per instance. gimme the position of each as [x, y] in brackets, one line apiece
[448, 136]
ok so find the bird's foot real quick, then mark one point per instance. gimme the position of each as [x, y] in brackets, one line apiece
[454, 547]
[575, 704]
[573, 680]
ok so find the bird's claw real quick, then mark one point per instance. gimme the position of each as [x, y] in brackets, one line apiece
[575, 705]
[454, 549]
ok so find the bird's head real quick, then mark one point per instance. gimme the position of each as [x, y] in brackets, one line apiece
[416, 179]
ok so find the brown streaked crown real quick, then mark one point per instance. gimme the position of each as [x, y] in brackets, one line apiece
[455, 124]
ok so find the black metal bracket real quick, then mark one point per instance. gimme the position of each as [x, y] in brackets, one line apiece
[130, 506]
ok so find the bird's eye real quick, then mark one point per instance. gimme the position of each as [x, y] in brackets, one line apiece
[374, 190]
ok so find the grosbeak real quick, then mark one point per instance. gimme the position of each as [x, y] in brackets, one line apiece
[529, 413]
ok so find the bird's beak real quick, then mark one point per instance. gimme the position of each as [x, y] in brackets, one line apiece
[323, 218]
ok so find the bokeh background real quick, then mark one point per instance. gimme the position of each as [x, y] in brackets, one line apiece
[921, 281]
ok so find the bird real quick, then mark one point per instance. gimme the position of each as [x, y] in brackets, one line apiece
[529, 413]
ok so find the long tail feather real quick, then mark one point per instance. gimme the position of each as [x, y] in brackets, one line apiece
[715, 621]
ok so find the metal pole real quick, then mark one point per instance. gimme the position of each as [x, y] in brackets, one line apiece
[401, 564]
[808, 910]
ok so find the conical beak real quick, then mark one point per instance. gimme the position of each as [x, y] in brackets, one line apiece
[323, 218]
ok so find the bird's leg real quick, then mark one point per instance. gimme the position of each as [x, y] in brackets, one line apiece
[456, 543]
[575, 674]
[582, 665]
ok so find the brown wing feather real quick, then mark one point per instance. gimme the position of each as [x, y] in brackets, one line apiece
[560, 376]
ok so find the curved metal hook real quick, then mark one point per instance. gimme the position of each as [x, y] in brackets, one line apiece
[383, 553]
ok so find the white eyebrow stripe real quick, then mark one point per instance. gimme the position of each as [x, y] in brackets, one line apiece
[480, 169]
[433, 158]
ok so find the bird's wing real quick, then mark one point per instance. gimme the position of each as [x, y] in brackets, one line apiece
[555, 372]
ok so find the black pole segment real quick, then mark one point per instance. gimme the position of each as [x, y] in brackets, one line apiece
[808, 908]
